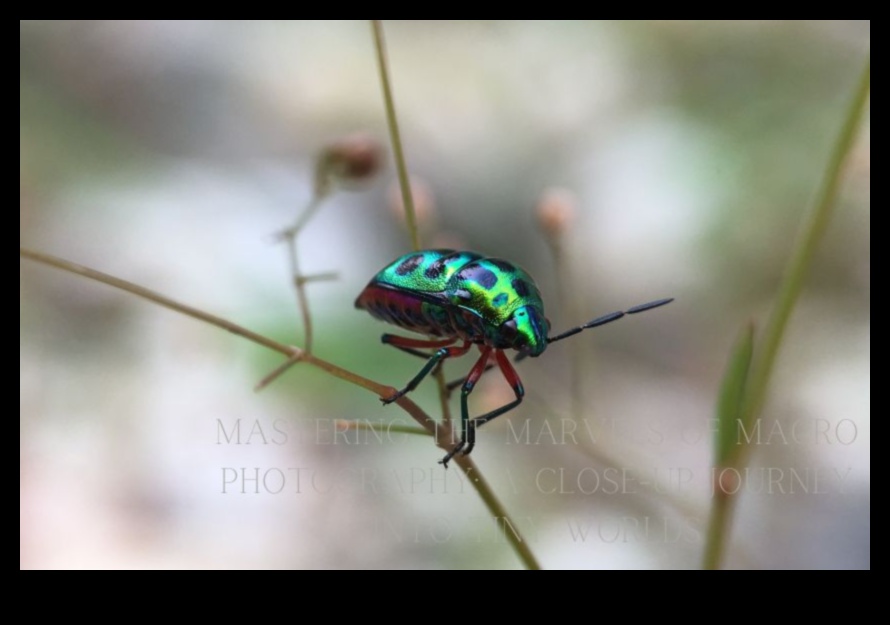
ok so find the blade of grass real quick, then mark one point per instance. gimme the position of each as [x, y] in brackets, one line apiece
[732, 393]
[729, 406]
[768, 346]
[804, 249]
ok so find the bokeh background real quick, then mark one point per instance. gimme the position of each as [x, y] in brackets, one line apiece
[169, 153]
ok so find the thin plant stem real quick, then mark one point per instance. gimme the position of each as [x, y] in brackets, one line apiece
[443, 436]
[293, 353]
[442, 432]
[394, 135]
[804, 249]
[519, 544]
[277, 372]
[444, 394]
[308, 213]
[299, 280]
[300, 288]
[722, 507]
[767, 349]
[157, 298]
[348, 424]
[319, 277]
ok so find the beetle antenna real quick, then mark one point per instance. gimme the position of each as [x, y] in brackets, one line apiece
[615, 316]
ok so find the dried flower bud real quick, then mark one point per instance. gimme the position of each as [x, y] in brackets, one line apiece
[555, 211]
[353, 159]
[424, 203]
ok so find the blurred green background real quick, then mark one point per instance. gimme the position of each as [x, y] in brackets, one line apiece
[169, 153]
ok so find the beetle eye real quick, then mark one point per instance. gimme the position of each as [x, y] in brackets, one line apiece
[509, 331]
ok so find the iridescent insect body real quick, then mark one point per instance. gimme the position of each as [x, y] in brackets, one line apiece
[460, 296]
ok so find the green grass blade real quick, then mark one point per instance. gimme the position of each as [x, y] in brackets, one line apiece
[732, 392]
[803, 251]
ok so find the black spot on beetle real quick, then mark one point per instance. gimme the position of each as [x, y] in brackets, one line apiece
[501, 264]
[409, 264]
[483, 277]
[435, 270]
[501, 299]
[520, 287]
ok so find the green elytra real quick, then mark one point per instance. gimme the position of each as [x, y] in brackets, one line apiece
[464, 296]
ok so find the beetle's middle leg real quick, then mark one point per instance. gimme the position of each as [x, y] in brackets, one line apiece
[446, 350]
[408, 345]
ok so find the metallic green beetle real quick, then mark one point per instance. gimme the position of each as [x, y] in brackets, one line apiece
[463, 296]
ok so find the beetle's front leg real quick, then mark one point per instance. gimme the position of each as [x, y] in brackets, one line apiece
[446, 350]
[468, 432]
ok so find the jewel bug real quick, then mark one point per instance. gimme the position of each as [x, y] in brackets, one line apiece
[461, 296]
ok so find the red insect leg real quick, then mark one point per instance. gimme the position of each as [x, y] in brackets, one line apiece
[407, 344]
[468, 432]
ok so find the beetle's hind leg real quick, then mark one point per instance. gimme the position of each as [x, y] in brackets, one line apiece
[408, 345]
[446, 350]
[468, 426]
[459, 382]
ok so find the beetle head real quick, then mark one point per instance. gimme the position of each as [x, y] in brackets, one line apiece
[526, 330]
